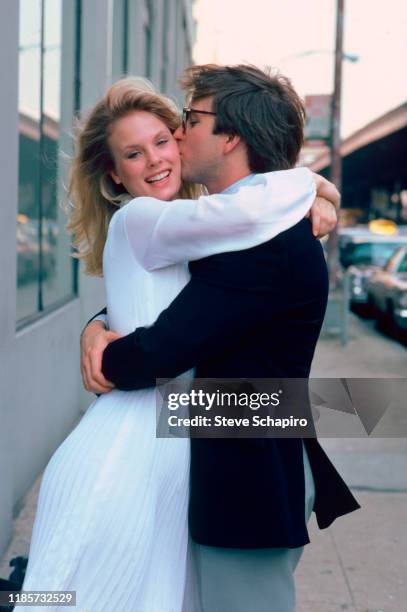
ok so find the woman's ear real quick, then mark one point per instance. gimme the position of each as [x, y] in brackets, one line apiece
[116, 178]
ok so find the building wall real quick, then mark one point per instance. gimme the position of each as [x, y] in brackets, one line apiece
[41, 394]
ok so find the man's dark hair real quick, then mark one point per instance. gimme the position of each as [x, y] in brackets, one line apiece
[261, 107]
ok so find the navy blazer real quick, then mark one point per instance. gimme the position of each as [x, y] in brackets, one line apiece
[255, 313]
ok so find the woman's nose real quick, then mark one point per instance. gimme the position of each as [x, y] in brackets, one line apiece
[153, 158]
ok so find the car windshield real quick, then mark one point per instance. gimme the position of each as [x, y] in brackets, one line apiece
[403, 265]
[368, 253]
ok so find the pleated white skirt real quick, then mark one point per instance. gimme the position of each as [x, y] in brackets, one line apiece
[111, 522]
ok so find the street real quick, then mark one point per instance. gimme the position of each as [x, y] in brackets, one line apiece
[359, 564]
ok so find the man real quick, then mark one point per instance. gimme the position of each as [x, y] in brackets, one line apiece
[254, 313]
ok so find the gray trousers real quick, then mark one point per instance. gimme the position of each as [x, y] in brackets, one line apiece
[238, 580]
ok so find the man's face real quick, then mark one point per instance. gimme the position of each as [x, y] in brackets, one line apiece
[200, 149]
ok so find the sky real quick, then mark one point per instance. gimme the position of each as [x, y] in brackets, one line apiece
[281, 33]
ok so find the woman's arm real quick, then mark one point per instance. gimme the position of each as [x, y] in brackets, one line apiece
[163, 233]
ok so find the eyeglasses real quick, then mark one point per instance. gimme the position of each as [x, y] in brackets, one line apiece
[186, 112]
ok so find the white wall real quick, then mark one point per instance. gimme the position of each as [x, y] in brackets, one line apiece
[8, 211]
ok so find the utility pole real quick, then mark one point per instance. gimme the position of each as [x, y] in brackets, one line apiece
[336, 161]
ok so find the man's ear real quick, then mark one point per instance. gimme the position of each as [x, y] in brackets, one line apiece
[231, 142]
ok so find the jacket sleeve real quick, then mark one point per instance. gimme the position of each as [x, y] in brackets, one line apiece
[202, 318]
[164, 233]
[101, 316]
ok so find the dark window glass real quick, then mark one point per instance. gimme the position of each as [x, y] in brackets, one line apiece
[120, 38]
[368, 253]
[166, 50]
[47, 102]
[403, 265]
[29, 104]
[392, 263]
[148, 37]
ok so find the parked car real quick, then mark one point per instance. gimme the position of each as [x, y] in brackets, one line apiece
[387, 294]
[362, 253]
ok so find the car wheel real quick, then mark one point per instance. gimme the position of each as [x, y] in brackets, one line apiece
[381, 319]
[370, 307]
[392, 326]
[402, 335]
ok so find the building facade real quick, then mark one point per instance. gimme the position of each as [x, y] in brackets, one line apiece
[58, 57]
[374, 171]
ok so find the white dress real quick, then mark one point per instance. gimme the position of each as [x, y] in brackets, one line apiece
[111, 522]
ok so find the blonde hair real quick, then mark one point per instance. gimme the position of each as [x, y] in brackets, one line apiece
[93, 196]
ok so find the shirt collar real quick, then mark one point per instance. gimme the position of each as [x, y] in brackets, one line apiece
[246, 180]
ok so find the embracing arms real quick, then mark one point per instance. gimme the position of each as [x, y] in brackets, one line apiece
[191, 230]
[165, 233]
[202, 318]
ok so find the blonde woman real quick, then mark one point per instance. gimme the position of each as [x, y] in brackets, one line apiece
[111, 522]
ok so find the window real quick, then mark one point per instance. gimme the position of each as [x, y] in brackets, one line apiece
[120, 38]
[48, 49]
[148, 37]
[166, 50]
[403, 265]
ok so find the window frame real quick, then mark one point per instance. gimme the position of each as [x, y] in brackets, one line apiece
[42, 310]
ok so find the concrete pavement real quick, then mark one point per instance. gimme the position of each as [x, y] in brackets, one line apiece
[359, 564]
[368, 354]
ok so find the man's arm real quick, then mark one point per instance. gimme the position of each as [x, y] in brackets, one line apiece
[94, 339]
[201, 319]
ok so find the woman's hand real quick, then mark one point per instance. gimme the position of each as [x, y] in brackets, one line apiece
[323, 213]
[94, 340]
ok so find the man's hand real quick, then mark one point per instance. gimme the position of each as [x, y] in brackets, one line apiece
[323, 212]
[94, 340]
[323, 217]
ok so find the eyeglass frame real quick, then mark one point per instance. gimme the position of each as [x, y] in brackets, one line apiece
[187, 110]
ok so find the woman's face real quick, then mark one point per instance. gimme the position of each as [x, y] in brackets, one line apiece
[146, 156]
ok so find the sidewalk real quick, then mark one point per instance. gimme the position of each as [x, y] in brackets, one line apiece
[22, 527]
[359, 564]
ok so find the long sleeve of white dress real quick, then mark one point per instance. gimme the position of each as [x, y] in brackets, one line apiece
[163, 233]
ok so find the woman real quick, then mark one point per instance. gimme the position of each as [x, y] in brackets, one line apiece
[112, 515]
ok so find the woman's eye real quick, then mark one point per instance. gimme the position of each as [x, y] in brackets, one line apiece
[193, 122]
[133, 155]
[162, 141]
